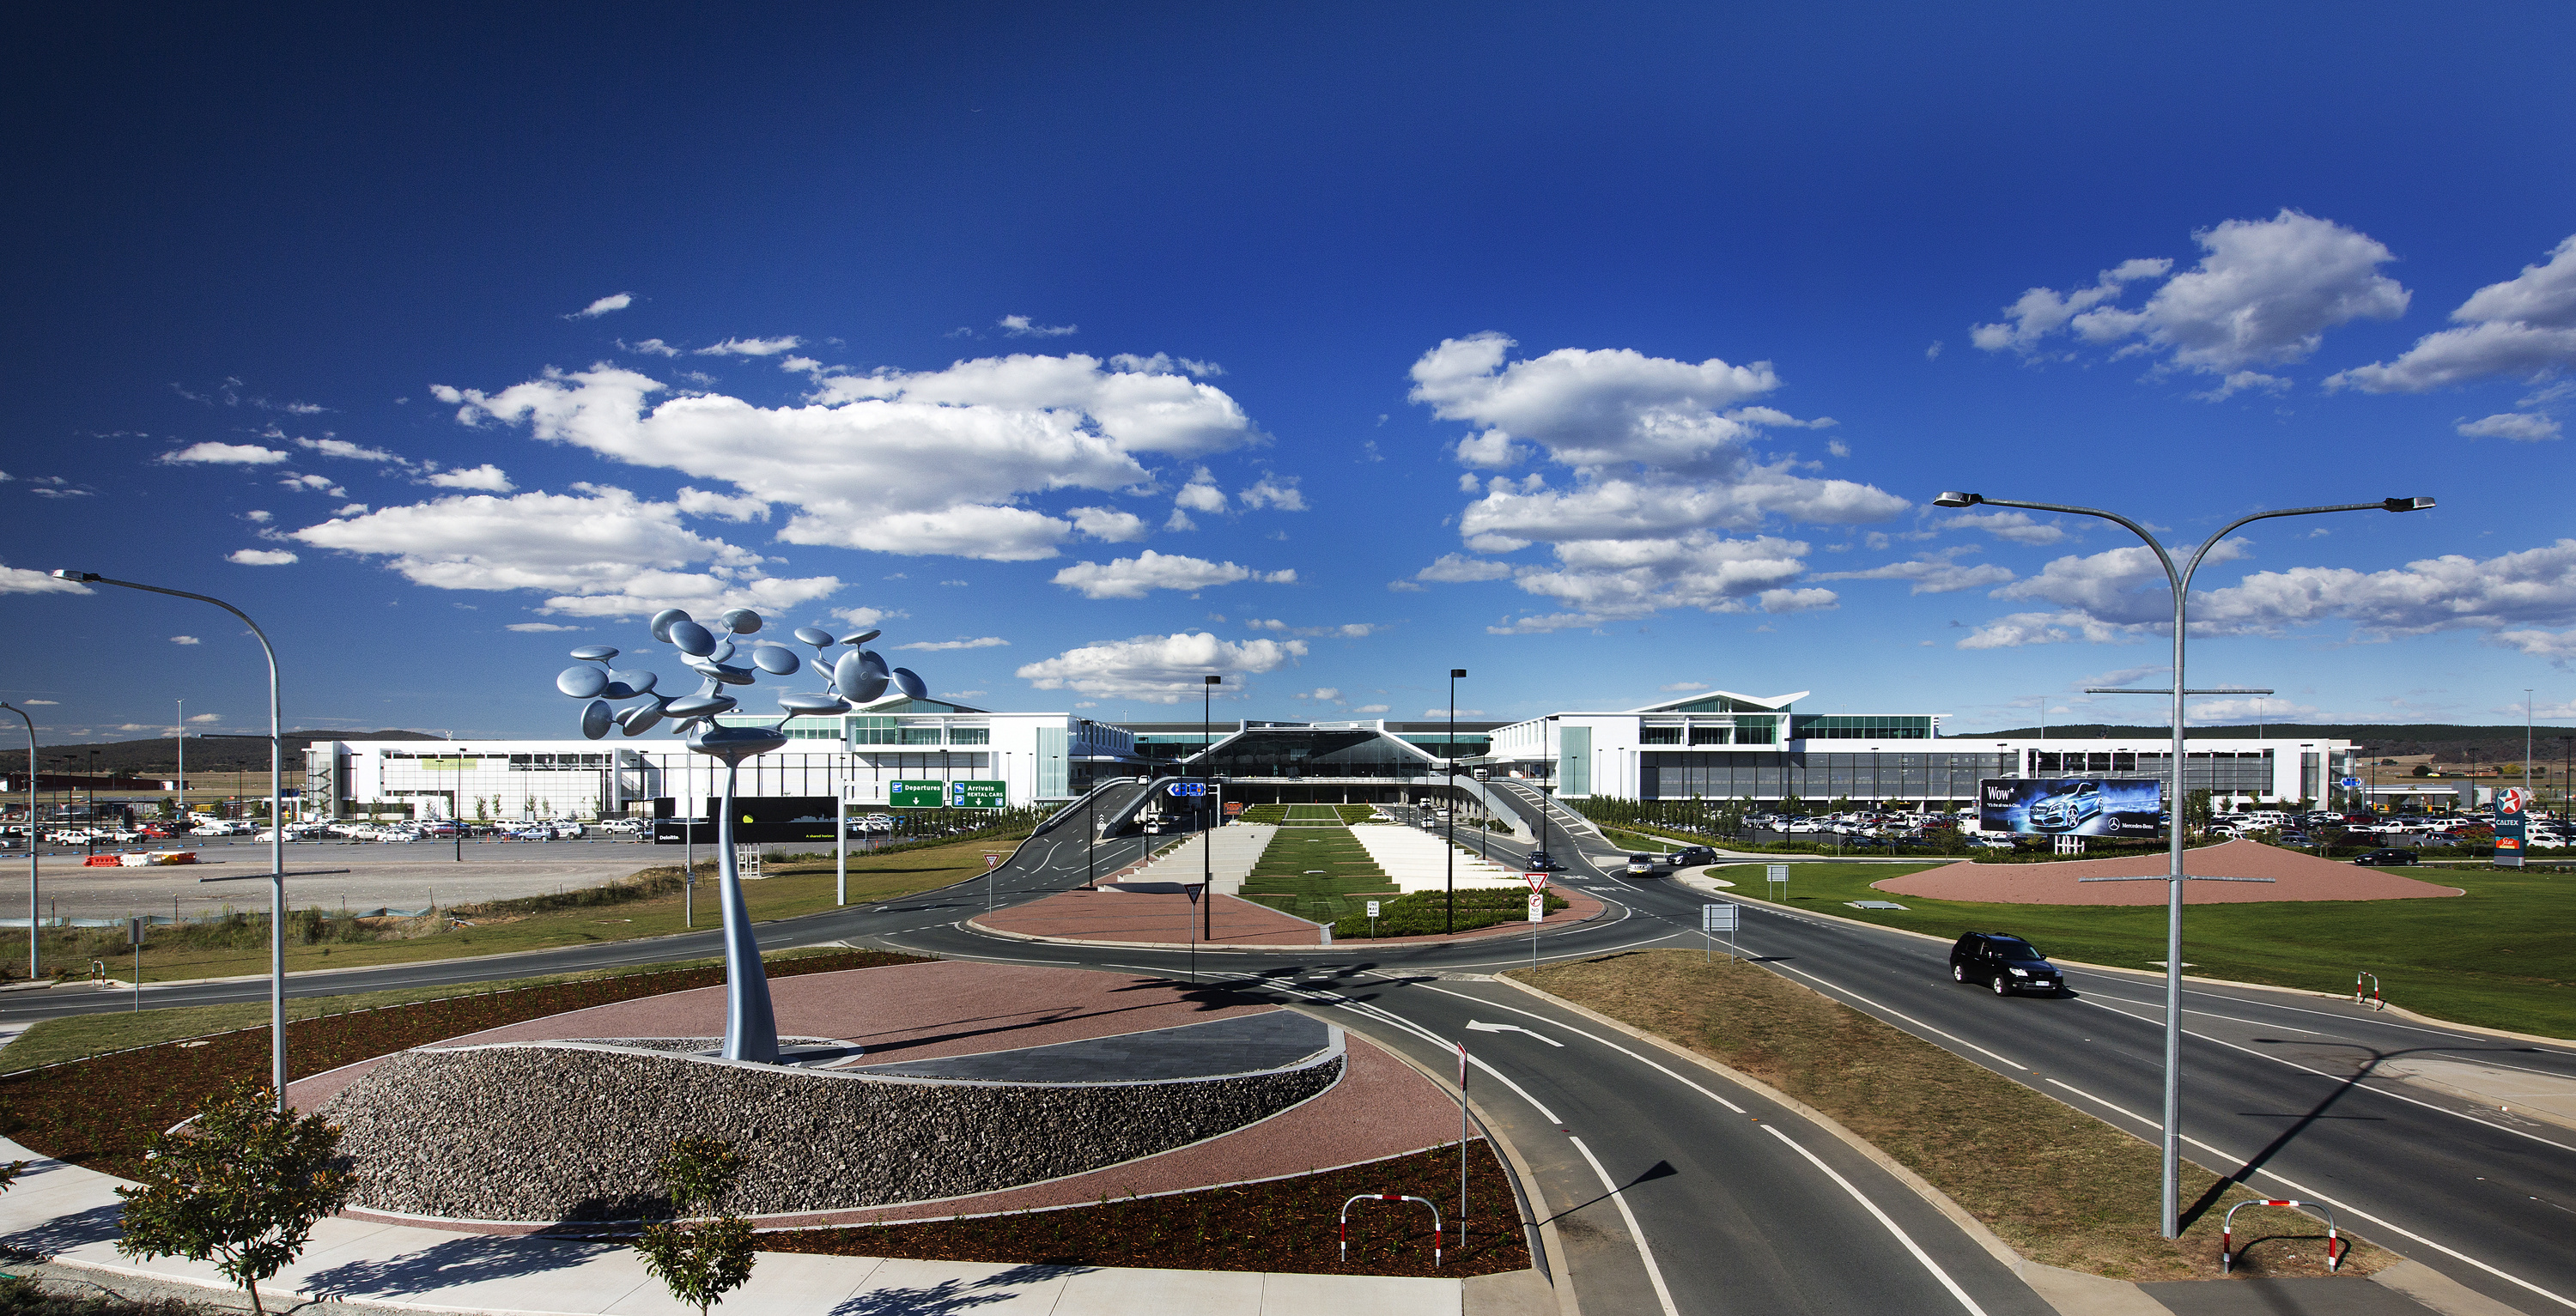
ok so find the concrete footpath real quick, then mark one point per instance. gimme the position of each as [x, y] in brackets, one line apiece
[70, 1215]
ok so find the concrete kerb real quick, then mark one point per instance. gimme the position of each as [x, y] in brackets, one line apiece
[1476, 934]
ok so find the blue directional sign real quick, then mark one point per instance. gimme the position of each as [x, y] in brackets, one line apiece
[1188, 788]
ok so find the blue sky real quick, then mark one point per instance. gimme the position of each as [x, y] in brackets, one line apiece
[1601, 353]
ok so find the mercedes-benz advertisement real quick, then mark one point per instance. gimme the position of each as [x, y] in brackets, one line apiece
[2072, 806]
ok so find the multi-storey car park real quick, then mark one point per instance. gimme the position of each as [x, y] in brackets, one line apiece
[1713, 745]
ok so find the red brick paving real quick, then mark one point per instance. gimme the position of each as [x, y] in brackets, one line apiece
[2295, 876]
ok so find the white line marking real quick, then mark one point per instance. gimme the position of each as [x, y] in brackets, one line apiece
[1892, 1227]
[2207, 1014]
[1558, 1023]
[1906, 1017]
[1504, 1079]
[2312, 1194]
[2351, 1082]
[1644, 1253]
[1474, 1026]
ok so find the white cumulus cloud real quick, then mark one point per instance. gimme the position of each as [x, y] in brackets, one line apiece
[185, 639]
[601, 552]
[753, 346]
[699, 502]
[225, 454]
[1108, 524]
[1019, 326]
[2019, 527]
[23, 580]
[487, 478]
[1274, 491]
[2264, 293]
[537, 627]
[265, 557]
[1158, 669]
[2520, 426]
[1930, 573]
[932, 462]
[1134, 577]
[1453, 567]
[2524, 326]
[981, 642]
[616, 301]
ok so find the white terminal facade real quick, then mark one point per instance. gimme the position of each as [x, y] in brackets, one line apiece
[1713, 745]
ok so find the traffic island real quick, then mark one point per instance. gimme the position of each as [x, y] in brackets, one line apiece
[1164, 920]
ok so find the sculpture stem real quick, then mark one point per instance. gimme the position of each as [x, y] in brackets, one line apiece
[751, 1030]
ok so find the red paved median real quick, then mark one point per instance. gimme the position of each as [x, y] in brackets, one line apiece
[1159, 919]
[2294, 876]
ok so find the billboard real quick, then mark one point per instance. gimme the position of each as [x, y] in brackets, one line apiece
[758, 819]
[2072, 806]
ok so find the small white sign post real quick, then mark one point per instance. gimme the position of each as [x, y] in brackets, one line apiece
[1776, 874]
[1537, 910]
[1372, 918]
[1715, 917]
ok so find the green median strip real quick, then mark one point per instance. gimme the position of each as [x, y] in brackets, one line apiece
[2055, 1183]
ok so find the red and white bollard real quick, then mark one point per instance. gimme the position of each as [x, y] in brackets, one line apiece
[2372, 999]
[2335, 1247]
[1391, 1197]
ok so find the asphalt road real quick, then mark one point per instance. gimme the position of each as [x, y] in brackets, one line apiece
[1724, 1204]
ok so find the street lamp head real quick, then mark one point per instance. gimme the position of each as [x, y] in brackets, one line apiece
[2392, 504]
[1216, 680]
[83, 577]
[1952, 498]
[1456, 672]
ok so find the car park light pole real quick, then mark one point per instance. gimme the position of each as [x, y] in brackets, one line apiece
[2169, 1208]
[276, 824]
[1449, 856]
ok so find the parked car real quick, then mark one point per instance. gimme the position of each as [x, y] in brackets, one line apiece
[2067, 808]
[2387, 858]
[2004, 962]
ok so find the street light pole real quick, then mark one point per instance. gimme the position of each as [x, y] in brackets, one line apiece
[2180, 582]
[1450, 857]
[276, 825]
[1207, 828]
[35, 961]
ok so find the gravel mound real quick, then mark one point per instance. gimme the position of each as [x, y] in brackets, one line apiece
[547, 1133]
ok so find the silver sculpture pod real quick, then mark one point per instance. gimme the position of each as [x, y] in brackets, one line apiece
[691, 638]
[751, 1030]
[910, 684]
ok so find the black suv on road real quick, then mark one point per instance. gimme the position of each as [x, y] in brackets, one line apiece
[2380, 858]
[2006, 963]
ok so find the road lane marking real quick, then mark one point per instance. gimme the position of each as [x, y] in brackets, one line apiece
[1644, 1253]
[1576, 954]
[1892, 1227]
[2351, 1081]
[1474, 1026]
[1558, 1023]
[1906, 1017]
[2313, 1195]
[2207, 1014]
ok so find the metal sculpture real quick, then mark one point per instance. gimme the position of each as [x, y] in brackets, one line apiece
[857, 676]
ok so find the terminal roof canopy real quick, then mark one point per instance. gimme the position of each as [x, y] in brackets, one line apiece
[1725, 701]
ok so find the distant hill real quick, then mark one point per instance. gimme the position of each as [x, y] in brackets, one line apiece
[2447, 742]
[159, 758]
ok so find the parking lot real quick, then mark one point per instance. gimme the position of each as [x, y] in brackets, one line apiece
[398, 876]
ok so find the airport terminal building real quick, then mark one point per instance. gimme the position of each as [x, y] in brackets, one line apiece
[1710, 745]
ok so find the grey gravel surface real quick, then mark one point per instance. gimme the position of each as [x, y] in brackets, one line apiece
[542, 1134]
[1241, 1045]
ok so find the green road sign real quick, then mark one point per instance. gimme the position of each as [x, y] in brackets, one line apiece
[977, 795]
[917, 794]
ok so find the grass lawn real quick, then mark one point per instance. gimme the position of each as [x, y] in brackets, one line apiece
[789, 890]
[1316, 871]
[71, 1037]
[2057, 1184]
[2503, 956]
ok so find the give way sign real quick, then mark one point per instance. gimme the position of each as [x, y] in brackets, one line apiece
[1537, 881]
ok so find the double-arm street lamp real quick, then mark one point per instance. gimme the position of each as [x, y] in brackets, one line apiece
[2180, 581]
[276, 825]
[35, 923]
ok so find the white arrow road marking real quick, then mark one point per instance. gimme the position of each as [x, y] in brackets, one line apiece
[1475, 1027]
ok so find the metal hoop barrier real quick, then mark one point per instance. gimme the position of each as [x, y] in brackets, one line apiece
[2371, 999]
[2335, 1245]
[1392, 1197]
